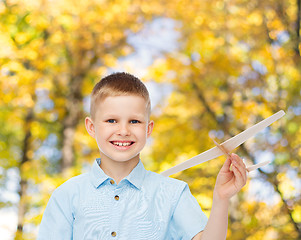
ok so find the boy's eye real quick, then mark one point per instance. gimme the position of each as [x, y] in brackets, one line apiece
[111, 121]
[134, 121]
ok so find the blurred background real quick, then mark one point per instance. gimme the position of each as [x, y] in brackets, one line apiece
[212, 67]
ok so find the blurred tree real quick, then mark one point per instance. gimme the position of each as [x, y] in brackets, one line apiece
[239, 62]
[53, 53]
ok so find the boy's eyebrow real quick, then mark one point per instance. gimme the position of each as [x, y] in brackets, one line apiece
[110, 115]
[138, 116]
[133, 116]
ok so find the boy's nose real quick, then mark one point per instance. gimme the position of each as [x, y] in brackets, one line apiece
[124, 130]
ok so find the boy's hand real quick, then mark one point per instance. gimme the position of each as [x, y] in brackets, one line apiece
[228, 182]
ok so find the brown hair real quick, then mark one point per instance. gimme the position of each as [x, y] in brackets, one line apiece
[118, 84]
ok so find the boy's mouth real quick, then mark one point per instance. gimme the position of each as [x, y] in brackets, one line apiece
[122, 143]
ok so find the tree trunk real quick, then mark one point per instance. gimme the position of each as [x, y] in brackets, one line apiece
[298, 22]
[23, 183]
[74, 113]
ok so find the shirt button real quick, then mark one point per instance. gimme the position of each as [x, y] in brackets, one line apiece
[113, 234]
[112, 181]
[116, 197]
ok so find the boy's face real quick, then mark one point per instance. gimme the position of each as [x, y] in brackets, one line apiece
[120, 128]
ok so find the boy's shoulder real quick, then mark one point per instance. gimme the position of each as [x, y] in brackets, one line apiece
[73, 183]
[164, 178]
[158, 180]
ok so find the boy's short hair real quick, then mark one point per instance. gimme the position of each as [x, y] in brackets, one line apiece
[118, 84]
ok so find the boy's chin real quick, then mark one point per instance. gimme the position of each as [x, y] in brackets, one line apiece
[123, 160]
[120, 159]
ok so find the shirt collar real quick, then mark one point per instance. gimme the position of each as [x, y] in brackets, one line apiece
[97, 175]
[136, 176]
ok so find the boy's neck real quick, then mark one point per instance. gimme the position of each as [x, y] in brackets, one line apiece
[118, 170]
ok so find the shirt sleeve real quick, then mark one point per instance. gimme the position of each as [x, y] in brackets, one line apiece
[188, 218]
[57, 221]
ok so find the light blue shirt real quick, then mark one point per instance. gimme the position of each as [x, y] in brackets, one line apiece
[144, 205]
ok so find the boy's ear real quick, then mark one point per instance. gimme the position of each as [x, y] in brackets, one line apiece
[150, 128]
[90, 127]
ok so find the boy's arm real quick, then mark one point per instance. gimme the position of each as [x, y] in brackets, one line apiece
[57, 219]
[228, 183]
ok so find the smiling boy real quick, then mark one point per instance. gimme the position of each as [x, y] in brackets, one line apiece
[120, 127]
[118, 198]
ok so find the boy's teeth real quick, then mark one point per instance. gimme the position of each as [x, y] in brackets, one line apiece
[122, 143]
